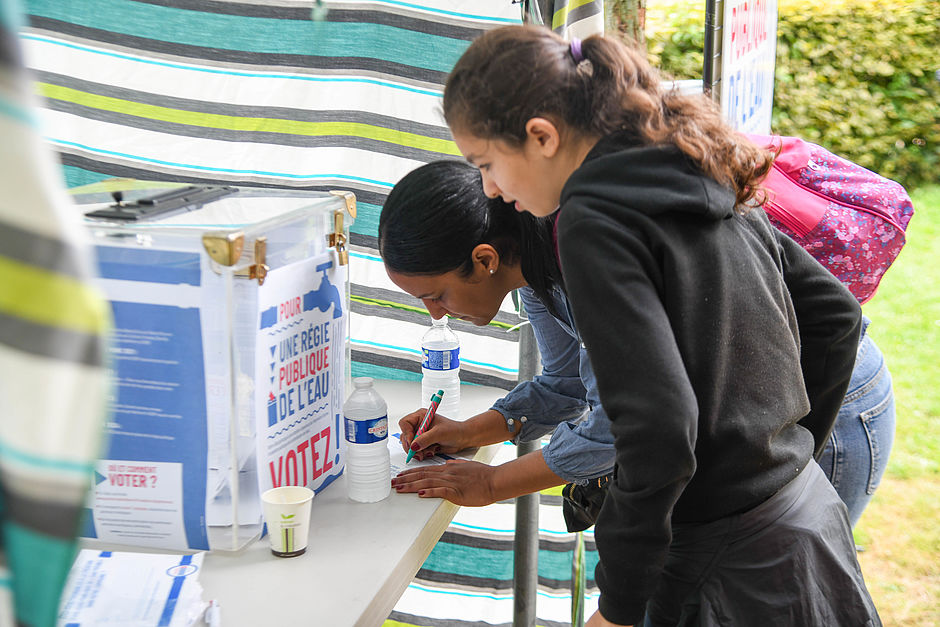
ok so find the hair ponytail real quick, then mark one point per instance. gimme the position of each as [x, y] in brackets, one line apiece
[512, 74]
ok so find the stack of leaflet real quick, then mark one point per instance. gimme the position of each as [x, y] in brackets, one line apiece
[133, 590]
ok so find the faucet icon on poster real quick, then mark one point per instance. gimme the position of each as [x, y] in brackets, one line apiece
[272, 409]
[324, 295]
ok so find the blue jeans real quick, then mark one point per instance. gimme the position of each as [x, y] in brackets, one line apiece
[857, 452]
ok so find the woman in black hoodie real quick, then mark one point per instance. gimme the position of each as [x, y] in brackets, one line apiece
[722, 350]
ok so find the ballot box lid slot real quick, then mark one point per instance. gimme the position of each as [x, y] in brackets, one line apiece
[187, 198]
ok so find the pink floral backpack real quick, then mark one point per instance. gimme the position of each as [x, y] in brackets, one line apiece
[850, 219]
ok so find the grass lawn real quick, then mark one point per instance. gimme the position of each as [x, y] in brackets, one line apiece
[900, 529]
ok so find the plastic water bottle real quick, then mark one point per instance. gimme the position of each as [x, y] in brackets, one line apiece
[440, 367]
[365, 415]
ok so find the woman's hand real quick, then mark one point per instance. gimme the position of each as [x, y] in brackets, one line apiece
[472, 483]
[460, 482]
[599, 621]
[443, 436]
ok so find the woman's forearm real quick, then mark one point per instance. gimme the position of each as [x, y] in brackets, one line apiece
[488, 427]
[523, 475]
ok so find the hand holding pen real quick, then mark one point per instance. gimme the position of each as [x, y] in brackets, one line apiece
[426, 421]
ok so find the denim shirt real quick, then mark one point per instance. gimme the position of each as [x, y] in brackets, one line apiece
[562, 398]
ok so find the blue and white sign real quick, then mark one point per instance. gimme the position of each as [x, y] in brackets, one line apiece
[150, 487]
[748, 56]
[300, 366]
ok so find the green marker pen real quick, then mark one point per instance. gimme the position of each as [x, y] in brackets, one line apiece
[426, 421]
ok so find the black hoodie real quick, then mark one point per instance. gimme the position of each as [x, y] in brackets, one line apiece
[722, 351]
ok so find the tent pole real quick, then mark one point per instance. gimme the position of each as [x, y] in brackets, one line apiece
[525, 567]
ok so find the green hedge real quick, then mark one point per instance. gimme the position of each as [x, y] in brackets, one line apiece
[856, 76]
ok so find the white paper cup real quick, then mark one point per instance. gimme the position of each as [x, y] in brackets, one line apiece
[287, 514]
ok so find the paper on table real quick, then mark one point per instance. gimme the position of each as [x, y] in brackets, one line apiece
[132, 590]
[397, 456]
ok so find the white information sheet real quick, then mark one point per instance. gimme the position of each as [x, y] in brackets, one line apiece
[132, 590]
[138, 503]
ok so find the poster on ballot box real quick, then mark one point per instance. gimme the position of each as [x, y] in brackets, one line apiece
[150, 485]
[300, 366]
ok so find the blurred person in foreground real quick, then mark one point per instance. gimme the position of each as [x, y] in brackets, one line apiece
[53, 383]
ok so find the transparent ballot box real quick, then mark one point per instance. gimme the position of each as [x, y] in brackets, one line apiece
[229, 355]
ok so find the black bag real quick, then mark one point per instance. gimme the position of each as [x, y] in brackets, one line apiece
[582, 503]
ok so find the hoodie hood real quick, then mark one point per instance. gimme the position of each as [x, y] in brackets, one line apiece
[650, 179]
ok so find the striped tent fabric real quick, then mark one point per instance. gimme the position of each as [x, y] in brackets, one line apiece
[574, 18]
[53, 385]
[467, 581]
[259, 93]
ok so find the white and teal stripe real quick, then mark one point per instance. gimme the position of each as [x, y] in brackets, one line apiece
[53, 388]
[468, 578]
[255, 93]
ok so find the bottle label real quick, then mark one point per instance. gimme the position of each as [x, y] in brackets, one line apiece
[366, 431]
[441, 360]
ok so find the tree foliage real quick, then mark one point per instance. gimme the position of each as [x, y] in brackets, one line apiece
[856, 76]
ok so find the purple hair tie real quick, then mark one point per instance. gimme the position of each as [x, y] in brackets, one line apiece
[575, 47]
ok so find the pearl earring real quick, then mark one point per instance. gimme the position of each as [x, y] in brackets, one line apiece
[492, 271]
